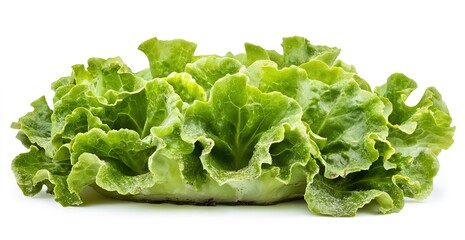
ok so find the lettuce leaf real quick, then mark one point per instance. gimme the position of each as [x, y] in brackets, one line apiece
[418, 133]
[298, 50]
[35, 127]
[349, 118]
[344, 196]
[166, 57]
[206, 71]
[241, 129]
[34, 169]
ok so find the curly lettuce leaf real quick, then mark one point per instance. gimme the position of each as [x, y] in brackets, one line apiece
[107, 79]
[206, 71]
[150, 113]
[298, 50]
[34, 169]
[318, 70]
[102, 85]
[124, 145]
[256, 70]
[415, 174]
[166, 57]
[107, 176]
[120, 160]
[350, 119]
[239, 125]
[418, 133]
[255, 53]
[345, 196]
[186, 87]
[35, 126]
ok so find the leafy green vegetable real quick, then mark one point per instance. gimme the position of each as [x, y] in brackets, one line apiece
[257, 127]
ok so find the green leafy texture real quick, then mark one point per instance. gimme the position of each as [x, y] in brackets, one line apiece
[345, 66]
[35, 126]
[81, 120]
[197, 57]
[255, 53]
[121, 159]
[62, 86]
[186, 156]
[111, 178]
[241, 57]
[103, 84]
[34, 169]
[180, 176]
[415, 174]
[166, 57]
[76, 97]
[60, 187]
[62, 82]
[237, 127]
[84, 172]
[108, 176]
[417, 133]
[206, 71]
[288, 81]
[344, 196]
[113, 170]
[156, 106]
[275, 57]
[67, 120]
[145, 74]
[107, 78]
[163, 110]
[107, 170]
[298, 50]
[351, 120]
[255, 71]
[318, 70]
[186, 87]
[294, 147]
[122, 145]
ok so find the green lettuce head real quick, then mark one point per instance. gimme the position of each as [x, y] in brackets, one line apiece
[258, 127]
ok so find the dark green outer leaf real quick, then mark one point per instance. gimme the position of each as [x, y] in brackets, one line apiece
[36, 126]
[34, 169]
[344, 196]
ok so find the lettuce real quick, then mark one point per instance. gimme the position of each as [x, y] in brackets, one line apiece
[258, 127]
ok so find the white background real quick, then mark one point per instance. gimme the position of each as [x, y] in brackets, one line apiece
[40, 40]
